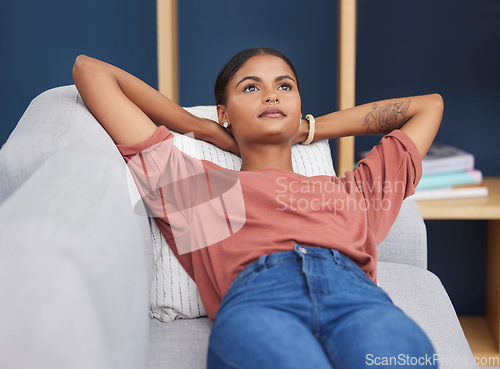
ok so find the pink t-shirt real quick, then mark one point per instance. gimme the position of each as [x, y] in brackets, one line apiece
[218, 221]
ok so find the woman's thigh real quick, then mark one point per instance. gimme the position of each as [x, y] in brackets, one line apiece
[373, 338]
[265, 322]
[263, 337]
[362, 328]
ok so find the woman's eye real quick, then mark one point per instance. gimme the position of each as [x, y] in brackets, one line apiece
[285, 87]
[250, 88]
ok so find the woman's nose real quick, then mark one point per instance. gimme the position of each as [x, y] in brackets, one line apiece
[270, 95]
[272, 100]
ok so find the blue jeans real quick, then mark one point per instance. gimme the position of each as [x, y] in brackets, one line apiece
[312, 308]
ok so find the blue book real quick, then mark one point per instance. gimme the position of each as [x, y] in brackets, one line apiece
[449, 179]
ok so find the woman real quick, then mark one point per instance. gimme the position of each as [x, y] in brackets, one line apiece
[287, 286]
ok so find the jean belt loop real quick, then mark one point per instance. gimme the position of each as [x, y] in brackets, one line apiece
[262, 262]
[337, 257]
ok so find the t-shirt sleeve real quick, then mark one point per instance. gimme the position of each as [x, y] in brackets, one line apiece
[169, 181]
[147, 161]
[160, 134]
[386, 176]
[177, 189]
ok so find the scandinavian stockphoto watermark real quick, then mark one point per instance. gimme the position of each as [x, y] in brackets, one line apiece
[202, 206]
[334, 195]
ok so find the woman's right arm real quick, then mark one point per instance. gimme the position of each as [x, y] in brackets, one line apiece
[417, 116]
[127, 108]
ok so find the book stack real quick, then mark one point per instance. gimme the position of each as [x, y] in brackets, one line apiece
[448, 172]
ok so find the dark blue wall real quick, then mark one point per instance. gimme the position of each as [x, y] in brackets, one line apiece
[404, 48]
[450, 47]
[39, 41]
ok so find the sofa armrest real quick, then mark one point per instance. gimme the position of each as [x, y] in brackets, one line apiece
[55, 120]
[73, 278]
[407, 240]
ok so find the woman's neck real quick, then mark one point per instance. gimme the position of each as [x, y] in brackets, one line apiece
[267, 156]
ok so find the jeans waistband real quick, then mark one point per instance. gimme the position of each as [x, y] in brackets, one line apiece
[299, 252]
[295, 255]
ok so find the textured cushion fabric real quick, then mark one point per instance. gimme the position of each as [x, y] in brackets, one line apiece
[407, 240]
[181, 344]
[55, 120]
[420, 294]
[73, 285]
[174, 294]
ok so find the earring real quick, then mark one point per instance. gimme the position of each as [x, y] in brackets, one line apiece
[226, 124]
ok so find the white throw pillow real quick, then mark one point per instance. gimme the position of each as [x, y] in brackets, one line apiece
[174, 294]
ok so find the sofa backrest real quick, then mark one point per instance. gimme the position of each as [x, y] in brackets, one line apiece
[56, 120]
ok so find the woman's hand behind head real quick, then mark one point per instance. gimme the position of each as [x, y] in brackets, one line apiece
[220, 137]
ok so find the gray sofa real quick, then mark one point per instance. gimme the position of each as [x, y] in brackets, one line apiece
[76, 264]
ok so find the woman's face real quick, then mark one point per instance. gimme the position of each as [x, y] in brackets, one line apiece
[263, 102]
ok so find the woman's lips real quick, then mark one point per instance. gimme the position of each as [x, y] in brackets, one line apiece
[272, 113]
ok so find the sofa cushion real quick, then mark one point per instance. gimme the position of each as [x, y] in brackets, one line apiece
[73, 282]
[407, 240]
[181, 344]
[174, 294]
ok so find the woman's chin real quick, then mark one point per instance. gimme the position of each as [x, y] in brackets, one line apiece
[277, 137]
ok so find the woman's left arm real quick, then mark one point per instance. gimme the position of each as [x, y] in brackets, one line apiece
[417, 116]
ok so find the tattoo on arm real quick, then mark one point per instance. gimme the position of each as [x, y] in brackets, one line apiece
[387, 118]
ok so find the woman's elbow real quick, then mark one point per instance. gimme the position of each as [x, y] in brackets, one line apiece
[435, 108]
[82, 63]
[437, 102]
[80, 59]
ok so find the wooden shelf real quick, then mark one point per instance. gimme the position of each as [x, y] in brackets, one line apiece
[480, 339]
[467, 208]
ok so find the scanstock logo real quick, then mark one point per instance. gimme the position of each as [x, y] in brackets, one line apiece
[202, 206]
